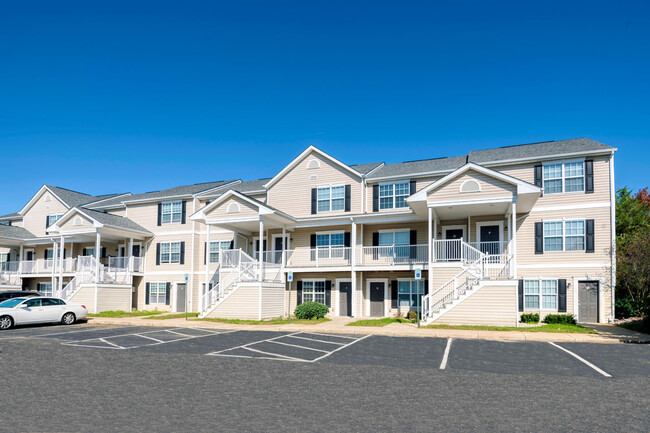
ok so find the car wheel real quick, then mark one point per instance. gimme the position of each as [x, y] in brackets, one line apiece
[68, 319]
[6, 322]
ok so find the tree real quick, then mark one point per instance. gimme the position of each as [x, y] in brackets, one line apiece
[632, 214]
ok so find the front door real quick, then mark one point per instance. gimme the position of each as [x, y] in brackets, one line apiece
[377, 299]
[453, 249]
[278, 247]
[136, 250]
[489, 236]
[345, 299]
[588, 301]
[29, 255]
[180, 297]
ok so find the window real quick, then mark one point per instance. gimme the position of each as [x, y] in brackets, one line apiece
[564, 177]
[330, 245]
[5, 223]
[408, 292]
[331, 198]
[90, 251]
[395, 243]
[157, 293]
[313, 291]
[564, 235]
[45, 289]
[540, 292]
[393, 195]
[215, 248]
[170, 252]
[172, 212]
[51, 219]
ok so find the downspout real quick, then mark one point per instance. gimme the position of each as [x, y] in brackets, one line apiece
[612, 207]
[189, 291]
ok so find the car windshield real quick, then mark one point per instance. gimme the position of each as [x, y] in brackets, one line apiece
[11, 303]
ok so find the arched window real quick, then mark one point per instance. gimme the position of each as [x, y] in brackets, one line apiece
[77, 221]
[313, 164]
[233, 208]
[47, 198]
[470, 186]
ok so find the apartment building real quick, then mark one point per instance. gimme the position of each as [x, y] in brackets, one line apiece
[471, 239]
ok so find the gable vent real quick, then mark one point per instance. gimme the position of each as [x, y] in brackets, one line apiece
[77, 221]
[470, 186]
[47, 197]
[313, 164]
[233, 208]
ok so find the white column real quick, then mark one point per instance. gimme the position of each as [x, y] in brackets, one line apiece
[54, 251]
[469, 231]
[62, 262]
[207, 268]
[260, 250]
[430, 255]
[20, 259]
[284, 246]
[514, 239]
[509, 247]
[129, 254]
[98, 243]
[353, 261]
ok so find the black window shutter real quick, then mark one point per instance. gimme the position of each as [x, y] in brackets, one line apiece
[346, 239]
[539, 238]
[83, 252]
[45, 253]
[312, 245]
[47, 220]
[158, 253]
[159, 213]
[412, 187]
[168, 291]
[232, 244]
[348, 197]
[64, 253]
[520, 290]
[561, 296]
[413, 241]
[375, 198]
[426, 287]
[314, 201]
[205, 252]
[328, 293]
[538, 176]
[375, 243]
[299, 293]
[589, 176]
[102, 253]
[146, 294]
[589, 238]
[182, 262]
[183, 211]
[393, 294]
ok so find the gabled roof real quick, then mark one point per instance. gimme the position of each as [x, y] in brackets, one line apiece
[264, 209]
[366, 168]
[522, 187]
[11, 217]
[421, 167]
[175, 192]
[299, 158]
[246, 187]
[101, 219]
[68, 197]
[15, 233]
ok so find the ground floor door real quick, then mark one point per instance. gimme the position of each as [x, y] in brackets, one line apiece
[588, 301]
[377, 299]
[345, 298]
[181, 293]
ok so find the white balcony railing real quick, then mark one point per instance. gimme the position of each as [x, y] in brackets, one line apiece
[393, 255]
[319, 257]
[496, 247]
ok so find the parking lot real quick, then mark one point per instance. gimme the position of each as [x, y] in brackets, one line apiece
[143, 378]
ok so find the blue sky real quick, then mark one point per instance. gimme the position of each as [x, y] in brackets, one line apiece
[136, 96]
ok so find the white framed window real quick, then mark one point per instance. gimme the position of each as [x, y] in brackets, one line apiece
[45, 288]
[408, 291]
[215, 248]
[568, 176]
[394, 242]
[564, 235]
[51, 219]
[90, 251]
[171, 212]
[157, 293]
[330, 244]
[170, 252]
[313, 291]
[540, 294]
[331, 198]
[393, 195]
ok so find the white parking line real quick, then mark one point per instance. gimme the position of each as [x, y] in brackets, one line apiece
[88, 342]
[319, 341]
[57, 333]
[342, 347]
[581, 359]
[301, 347]
[331, 335]
[445, 356]
[150, 338]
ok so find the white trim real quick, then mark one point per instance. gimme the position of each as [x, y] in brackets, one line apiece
[488, 223]
[563, 176]
[612, 222]
[37, 196]
[539, 295]
[453, 227]
[498, 163]
[158, 259]
[470, 202]
[338, 282]
[601, 285]
[393, 195]
[299, 158]
[386, 297]
[330, 199]
[564, 235]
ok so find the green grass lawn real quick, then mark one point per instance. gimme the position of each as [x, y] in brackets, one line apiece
[279, 321]
[172, 316]
[557, 328]
[120, 313]
[634, 326]
[378, 322]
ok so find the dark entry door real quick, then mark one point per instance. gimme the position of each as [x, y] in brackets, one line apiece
[345, 299]
[453, 233]
[588, 301]
[29, 255]
[279, 247]
[377, 299]
[490, 240]
[452, 249]
[180, 297]
[136, 250]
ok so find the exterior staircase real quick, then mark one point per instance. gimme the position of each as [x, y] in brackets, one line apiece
[477, 268]
[88, 271]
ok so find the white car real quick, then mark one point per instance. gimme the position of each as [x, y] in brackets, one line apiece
[39, 309]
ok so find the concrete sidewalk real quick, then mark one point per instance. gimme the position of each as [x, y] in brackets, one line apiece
[607, 333]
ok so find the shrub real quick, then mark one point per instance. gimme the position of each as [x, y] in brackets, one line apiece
[311, 310]
[553, 319]
[628, 307]
[530, 318]
[412, 315]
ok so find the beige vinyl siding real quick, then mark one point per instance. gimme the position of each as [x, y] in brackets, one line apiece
[420, 227]
[221, 211]
[83, 223]
[34, 220]
[111, 298]
[420, 183]
[158, 279]
[442, 274]
[86, 296]
[292, 193]
[273, 301]
[490, 188]
[243, 303]
[489, 305]
[146, 215]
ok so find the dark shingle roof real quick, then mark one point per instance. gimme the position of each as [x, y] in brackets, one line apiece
[247, 187]
[365, 168]
[10, 216]
[418, 167]
[114, 220]
[13, 232]
[71, 198]
[541, 150]
[185, 190]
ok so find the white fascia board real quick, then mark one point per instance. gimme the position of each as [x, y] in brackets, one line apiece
[232, 220]
[470, 202]
[95, 203]
[301, 156]
[374, 169]
[410, 175]
[157, 199]
[36, 196]
[501, 162]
